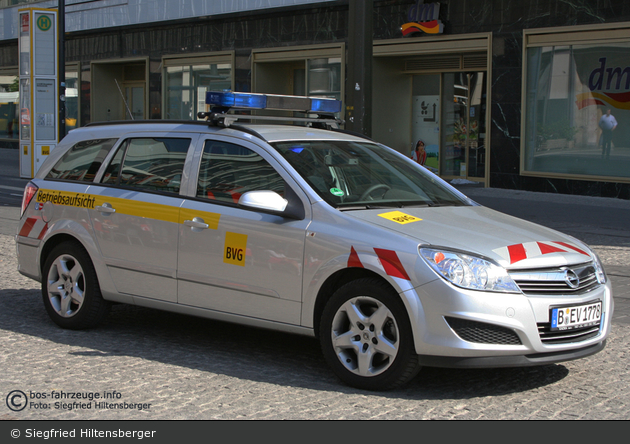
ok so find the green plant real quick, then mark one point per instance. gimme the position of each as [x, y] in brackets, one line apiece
[559, 129]
[15, 86]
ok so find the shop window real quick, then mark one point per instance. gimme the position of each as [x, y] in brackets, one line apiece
[72, 99]
[313, 71]
[324, 78]
[568, 89]
[9, 106]
[185, 87]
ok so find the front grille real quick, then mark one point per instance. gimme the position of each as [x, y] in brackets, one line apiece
[483, 333]
[571, 280]
[547, 336]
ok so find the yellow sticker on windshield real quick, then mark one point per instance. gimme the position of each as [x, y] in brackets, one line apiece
[400, 217]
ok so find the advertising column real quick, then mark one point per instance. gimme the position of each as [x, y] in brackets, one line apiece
[39, 105]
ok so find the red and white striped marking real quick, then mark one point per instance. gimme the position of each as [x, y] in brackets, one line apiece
[33, 227]
[387, 259]
[518, 252]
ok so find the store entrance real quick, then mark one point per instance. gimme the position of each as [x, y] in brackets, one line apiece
[134, 101]
[449, 116]
[118, 91]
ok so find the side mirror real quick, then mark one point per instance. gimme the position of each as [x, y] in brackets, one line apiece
[263, 200]
[271, 202]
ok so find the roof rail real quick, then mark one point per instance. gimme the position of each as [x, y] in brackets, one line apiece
[157, 121]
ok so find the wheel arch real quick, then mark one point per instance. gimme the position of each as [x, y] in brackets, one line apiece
[336, 281]
[53, 241]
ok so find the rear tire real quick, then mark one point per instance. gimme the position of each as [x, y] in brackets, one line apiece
[70, 289]
[366, 336]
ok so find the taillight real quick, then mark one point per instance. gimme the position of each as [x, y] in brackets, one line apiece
[29, 192]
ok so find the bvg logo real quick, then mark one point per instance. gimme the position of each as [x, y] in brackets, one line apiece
[235, 248]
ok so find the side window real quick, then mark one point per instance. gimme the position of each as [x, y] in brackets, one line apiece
[82, 161]
[227, 171]
[154, 164]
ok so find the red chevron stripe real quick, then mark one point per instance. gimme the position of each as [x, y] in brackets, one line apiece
[392, 265]
[27, 227]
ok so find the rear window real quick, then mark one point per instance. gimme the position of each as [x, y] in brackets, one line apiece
[152, 164]
[82, 161]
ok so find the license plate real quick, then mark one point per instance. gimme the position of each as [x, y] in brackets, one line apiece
[578, 316]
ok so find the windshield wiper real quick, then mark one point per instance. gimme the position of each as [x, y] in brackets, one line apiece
[370, 206]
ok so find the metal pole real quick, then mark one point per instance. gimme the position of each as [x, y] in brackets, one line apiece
[359, 84]
[62, 69]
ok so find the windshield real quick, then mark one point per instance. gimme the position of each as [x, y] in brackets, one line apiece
[357, 175]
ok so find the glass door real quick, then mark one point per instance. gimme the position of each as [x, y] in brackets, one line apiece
[426, 120]
[463, 129]
[134, 102]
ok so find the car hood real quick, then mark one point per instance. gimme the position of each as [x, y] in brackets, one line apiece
[513, 243]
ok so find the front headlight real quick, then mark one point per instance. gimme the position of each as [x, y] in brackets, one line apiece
[468, 271]
[599, 269]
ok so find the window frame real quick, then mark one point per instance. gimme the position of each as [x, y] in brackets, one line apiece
[114, 143]
[294, 192]
[234, 196]
[569, 36]
[123, 148]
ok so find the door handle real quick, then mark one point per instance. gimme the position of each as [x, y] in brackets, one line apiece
[197, 222]
[105, 208]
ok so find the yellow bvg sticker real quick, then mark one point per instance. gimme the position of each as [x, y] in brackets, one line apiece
[400, 217]
[235, 248]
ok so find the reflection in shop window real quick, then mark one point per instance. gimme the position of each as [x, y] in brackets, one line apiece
[72, 100]
[9, 107]
[568, 90]
[186, 88]
[324, 78]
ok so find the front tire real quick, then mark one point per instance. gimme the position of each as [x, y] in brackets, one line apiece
[70, 289]
[366, 336]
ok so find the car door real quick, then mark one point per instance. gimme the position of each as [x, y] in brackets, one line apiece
[237, 260]
[136, 214]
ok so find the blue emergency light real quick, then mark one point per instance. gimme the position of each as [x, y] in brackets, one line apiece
[272, 101]
[236, 100]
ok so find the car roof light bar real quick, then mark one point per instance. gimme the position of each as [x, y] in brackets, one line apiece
[222, 102]
[273, 102]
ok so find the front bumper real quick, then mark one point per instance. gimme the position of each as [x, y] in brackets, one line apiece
[511, 360]
[507, 329]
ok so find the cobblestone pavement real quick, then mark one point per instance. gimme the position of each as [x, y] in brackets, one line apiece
[188, 368]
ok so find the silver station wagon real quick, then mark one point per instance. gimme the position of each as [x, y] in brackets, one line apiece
[305, 229]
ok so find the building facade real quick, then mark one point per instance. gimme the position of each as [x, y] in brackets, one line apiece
[505, 93]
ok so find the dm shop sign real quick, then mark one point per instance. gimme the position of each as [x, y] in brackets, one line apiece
[423, 17]
[609, 84]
